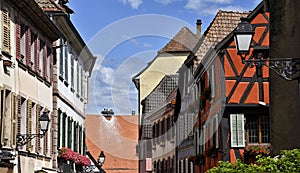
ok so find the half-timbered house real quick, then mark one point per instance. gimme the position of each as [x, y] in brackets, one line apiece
[188, 103]
[234, 99]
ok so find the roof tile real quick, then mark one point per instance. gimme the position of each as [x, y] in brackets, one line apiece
[184, 40]
[223, 23]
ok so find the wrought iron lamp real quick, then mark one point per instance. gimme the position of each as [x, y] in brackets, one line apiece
[23, 139]
[101, 159]
[287, 68]
[100, 162]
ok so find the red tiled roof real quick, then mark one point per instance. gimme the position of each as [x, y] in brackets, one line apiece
[184, 40]
[223, 24]
[50, 6]
[117, 137]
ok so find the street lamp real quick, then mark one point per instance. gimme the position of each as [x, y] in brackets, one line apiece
[44, 120]
[243, 37]
[287, 68]
[100, 162]
[101, 159]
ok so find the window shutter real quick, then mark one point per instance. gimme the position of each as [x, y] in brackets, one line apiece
[75, 136]
[237, 130]
[19, 114]
[80, 140]
[64, 126]
[216, 131]
[14, 108]
[18, 39]
[6, 30]
[59, 113]
[66, 63]
[72, 72]
[51, 65]
[204, 138]
[69, 132]
[46, 143]
[77, 72]
[38, 140]
[36, 54]
[84, 146]
[61, 59]
[28, 51]
[29, 122]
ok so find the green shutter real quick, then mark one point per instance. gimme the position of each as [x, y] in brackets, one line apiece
[63, 138]
[58, 127]
[69, 132]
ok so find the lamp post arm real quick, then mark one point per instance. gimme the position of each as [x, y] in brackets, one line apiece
[23, 139]
[287, 68]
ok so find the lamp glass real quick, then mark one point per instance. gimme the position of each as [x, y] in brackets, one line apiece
[101, 158]
[242, 42]
[44, 122]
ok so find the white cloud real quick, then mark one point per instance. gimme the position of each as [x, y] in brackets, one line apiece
[165, 2]
[211, 7]
[133, 3]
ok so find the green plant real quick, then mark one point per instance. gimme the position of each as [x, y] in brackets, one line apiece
[287, 161]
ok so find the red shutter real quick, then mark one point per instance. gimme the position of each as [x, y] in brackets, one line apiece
[36, 54]
[18, 38]
[28, 53]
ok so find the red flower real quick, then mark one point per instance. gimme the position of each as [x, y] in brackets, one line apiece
[68, 154]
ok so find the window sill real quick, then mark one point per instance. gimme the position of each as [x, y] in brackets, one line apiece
[66, 83]
[31, 72]
[61, 78]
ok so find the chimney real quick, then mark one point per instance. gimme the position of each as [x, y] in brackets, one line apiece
[199, 26]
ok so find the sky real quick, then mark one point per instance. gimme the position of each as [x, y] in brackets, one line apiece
[125, 35]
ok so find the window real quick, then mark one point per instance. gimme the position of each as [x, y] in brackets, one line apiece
[41, 57]
[33, 50]
[81, 81]
[237, 130]
[148, 130]
[66, 56]
[212, 81]
[61, 59]
[257, 129]
[77, 72]
[216, 131]
[23, 43]
[72, 71]
[48, 64]
[5, 30]
[14, 118]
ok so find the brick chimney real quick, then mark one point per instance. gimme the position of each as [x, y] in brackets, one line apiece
[199, 27]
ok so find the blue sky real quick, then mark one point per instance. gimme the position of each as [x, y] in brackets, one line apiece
[126, 34]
